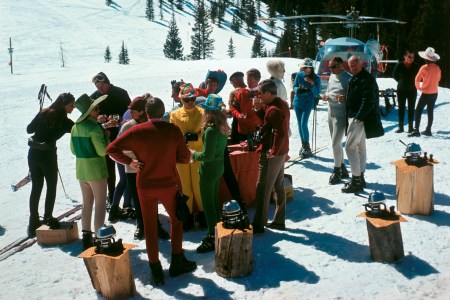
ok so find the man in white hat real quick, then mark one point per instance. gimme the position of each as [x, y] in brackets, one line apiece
[430, 75]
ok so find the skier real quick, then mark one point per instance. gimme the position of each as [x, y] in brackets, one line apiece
[116, 104]
[307, 88]
[88, 143]
[242, 107]
[157, 180]
[215, 132]
[49, 125]
[189, 119]
[138, 116]
[335, 95]
[364, 121]
[429, 75]
[404, 73]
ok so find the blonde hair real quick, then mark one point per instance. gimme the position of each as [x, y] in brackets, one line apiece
[216, 118]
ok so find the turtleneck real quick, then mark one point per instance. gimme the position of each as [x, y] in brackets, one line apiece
[407, 65]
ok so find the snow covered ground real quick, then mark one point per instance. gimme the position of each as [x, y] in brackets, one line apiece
[324, 254]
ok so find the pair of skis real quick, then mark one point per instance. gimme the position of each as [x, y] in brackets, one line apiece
[25, 242]
[298, 159]
[21, 183]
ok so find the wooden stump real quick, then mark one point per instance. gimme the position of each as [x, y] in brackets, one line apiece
[386, 244]
[385, 238]
[111, 276]
[234, 252]
[414, 188]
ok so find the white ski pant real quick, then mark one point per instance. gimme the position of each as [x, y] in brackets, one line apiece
[93, 190]
[336, 123]
[355, 147]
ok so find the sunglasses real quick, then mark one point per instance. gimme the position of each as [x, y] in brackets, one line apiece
[410, 57]
[333, 67]
[187, 100]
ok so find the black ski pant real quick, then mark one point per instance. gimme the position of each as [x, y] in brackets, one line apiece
[131, 181]
[43, 170]
[428, 100]
[403, 96]
[230, 180]
[111, 166]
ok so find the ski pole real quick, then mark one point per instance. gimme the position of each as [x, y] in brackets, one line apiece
[62, 183]
[315, 127]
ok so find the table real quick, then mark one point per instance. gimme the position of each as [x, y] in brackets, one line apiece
[245, 166]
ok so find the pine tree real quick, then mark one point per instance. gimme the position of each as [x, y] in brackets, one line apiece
[213, 12]
[179, 4]
[258, 8]
[258, 46]
[123, 55]
[221, 12]
[231, 49]
[271, 13]
[149, 12]
[161, 15]
[107, 55]
[173, 48]
[236, 23]
[202, 45]
[250, 15]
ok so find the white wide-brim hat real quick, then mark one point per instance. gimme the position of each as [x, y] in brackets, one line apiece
[429, 54]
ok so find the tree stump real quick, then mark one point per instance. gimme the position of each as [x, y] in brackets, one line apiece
[111, 276]
[234, 252]
[414, 188]
[385, 238]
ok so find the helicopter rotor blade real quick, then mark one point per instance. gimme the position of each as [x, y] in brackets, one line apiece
[362, 18]
[303, 17]
[346, 20]
[356, 22]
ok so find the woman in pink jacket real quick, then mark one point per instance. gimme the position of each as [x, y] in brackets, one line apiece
[430, 75]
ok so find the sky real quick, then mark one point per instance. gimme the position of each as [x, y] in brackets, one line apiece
[324, 253]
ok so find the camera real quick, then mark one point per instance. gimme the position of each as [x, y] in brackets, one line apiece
[190, 137]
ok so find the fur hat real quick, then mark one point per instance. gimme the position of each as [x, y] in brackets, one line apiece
[100, 77]
[213, 102]
[86, 104]
[429, 54]
[307, 63]
[275, 67]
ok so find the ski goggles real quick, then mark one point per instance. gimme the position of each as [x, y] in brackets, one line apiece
[98, 78]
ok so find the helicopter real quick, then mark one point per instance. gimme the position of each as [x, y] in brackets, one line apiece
[370, 53]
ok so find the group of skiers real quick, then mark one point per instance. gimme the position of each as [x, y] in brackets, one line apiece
[161, 153]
